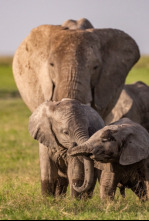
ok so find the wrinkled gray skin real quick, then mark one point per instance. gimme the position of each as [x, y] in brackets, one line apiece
[54, 62]
[83, 23]
[59, 126]
[123, 148]
[133, 103]
[89, 65]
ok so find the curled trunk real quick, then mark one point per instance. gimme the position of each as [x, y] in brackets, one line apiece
[88, 173]
[88, 176]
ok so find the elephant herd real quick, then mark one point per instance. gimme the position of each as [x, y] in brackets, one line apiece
[90, 125]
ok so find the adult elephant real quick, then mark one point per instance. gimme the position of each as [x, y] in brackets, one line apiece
[89, 65]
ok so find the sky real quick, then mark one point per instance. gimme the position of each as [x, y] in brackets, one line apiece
[19, 17]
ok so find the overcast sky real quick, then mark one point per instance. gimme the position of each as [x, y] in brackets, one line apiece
[18, 17]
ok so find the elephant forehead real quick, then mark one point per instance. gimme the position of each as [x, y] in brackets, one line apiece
[109, 129]
[70, 38]
[69, 107]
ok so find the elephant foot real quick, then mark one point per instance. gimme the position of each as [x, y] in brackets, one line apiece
[61, 186]
[140, 191]
[47, 189]
[122, 189]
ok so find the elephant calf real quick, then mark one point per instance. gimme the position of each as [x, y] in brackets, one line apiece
[133, 104]
[59, 126]
[123, 148]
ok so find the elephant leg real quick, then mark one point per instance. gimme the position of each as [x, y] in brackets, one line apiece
[147, 180]
[49, 172]
[99, 175]
[122, 189]
[140, 190]
[61, 186]
[108, 184]
[147, 188]
[75, 175]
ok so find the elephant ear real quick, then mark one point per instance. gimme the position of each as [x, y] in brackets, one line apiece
[31, 66]
[136, 146]
[122, 107]
[40, 125]
[119, 52]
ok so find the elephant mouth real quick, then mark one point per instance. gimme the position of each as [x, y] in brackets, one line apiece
[101, 158]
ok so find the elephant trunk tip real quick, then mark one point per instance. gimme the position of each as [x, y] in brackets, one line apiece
[86, 186]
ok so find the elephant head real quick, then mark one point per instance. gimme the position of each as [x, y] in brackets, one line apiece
[65, 124]
[123, 142]
[89, 65]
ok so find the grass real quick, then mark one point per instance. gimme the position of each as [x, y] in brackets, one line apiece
[7, 84]
[140, 72]
[20, 195]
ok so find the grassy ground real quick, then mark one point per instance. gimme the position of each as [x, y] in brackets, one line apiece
[20, 196]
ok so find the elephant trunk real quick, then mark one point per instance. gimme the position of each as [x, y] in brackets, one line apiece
[73, 87]
[88, 174]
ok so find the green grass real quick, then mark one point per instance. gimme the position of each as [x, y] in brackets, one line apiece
[7, 84]
[20, 195]
[140, 72]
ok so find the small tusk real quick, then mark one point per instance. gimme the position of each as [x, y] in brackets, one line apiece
[67, 99]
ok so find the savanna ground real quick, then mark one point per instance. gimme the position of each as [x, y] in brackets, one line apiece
[20, 195]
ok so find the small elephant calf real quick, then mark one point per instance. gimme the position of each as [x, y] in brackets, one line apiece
[133, 103]
[122, 148]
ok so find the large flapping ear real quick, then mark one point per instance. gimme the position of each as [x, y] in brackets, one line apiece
[40, 124]
[31, 64]
[119, 52]
[134, 141]
[122, 107]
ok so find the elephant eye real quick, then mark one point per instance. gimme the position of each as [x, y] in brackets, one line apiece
[104, 140]
[52, 64]
[95, 68]
[65, 132]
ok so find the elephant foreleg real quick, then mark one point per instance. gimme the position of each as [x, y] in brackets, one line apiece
[61, 186]
[108, 184]
[49, 172]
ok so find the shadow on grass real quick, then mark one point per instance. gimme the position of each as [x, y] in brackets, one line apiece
[4, 94]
